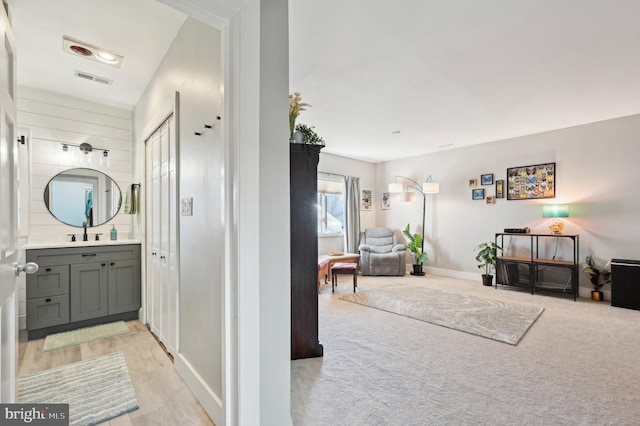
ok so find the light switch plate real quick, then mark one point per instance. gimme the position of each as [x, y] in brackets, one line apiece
[186, 206]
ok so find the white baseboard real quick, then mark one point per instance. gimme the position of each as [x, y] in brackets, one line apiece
[211, 403]
[471, 276]
[582, 291]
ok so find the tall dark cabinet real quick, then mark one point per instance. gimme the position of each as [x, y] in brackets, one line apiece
[304, 250]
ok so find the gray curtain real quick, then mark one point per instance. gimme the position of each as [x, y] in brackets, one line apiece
[352, 213]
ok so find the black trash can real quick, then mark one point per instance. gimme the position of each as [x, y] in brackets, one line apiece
[625, 283]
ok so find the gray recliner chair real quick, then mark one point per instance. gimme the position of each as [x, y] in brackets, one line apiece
[381, 253]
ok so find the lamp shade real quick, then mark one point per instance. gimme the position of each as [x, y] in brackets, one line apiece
[555, 210]
[431, 187]
[396, 187]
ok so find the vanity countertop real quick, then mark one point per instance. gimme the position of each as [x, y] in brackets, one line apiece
[59, 244]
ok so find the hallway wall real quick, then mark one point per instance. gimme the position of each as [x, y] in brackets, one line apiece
[192, 67]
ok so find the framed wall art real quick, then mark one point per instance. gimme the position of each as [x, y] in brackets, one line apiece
[473, 183]
[386, 201]
[500, 188]
[491, 199]
[486, 179]
[477, 194]
[366, 200]
[531, 182]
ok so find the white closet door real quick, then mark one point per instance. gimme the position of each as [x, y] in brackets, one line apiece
[172, 305]
[148, 202]
[162, 255]
[165, 299]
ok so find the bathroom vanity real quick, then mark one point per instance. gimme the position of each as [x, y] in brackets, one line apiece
[82, 286]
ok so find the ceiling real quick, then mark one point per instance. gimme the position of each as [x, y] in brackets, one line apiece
[444, 74]
[141, 30]
[452, 73]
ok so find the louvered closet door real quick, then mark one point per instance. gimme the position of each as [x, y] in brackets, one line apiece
[162, 256]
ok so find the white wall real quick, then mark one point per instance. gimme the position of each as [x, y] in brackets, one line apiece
[366, 171]
[596, 169]
[192, 67]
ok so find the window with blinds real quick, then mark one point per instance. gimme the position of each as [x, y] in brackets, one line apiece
[330, 206]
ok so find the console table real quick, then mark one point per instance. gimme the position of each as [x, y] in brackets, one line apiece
[507, 275]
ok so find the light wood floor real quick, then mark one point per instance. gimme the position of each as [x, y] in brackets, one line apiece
[163, 397]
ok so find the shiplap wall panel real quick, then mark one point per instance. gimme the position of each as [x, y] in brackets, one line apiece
[62, 136]
[43, 96]
[34, 120]
[53, 119]
[73, 114]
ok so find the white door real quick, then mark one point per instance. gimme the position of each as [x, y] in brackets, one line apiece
[9, 254]
[161, 220]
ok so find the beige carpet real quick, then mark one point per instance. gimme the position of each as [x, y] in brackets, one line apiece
[494, 319]
[578, 365]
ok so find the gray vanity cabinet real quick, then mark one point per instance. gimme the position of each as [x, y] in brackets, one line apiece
[82, 286]
[89, 289]
[48, 297]
[124, 286]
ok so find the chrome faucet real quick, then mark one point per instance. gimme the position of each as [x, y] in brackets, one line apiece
[85, 237]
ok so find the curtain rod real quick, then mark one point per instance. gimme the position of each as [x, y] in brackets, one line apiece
[331, 174]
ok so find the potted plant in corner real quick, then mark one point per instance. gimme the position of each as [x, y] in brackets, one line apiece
[598, 278]
[487, 256]
[415, 247]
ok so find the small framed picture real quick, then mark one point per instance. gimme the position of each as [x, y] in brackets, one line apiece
[500, 188]
[491, 199]
[386, 201]
[366, 200]
[477, 194]
[473, 183]
[486, 179]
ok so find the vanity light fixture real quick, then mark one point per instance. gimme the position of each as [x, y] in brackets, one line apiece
[86, 148]
[94, 53]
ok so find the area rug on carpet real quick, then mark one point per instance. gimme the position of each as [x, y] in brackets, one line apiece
[96, 390]
[83, 335]
[502, 321]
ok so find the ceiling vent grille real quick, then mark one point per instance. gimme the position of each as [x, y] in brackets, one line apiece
[92, 77]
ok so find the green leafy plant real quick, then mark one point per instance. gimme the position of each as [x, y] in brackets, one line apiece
[309, 136]
[487, 256]
[598, 277]
[415, 246]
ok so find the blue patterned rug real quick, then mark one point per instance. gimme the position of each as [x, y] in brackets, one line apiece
[96, 390]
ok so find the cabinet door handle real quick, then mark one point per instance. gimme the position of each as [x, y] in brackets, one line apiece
[89, 255]
[48, 299]
[104, 264]
[112, 263]
[162, 257]
[153, 253]
[48, 269]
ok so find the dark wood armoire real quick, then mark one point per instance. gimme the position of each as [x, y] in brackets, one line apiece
[304, 250]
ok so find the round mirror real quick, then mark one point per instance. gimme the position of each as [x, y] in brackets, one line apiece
[79, 196]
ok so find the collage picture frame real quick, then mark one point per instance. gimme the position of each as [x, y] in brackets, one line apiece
[531, 182]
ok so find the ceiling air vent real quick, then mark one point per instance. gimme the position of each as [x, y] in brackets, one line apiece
[92, 77]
